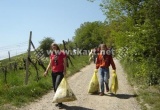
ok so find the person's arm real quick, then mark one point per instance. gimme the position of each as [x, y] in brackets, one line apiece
[97, 62]
[49, 66]
[112, 63]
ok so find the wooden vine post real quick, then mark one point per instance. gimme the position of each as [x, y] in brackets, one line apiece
[27, 59]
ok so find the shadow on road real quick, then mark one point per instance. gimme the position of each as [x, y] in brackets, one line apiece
[120, 96]
[123, 96]
[66, 107]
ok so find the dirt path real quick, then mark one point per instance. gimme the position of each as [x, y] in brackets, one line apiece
[125, 99]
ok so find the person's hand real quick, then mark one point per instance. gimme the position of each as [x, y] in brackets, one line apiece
[64, 73]
[45, 74]
[95, 70]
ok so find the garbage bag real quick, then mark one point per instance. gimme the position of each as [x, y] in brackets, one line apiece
[90, 53]
[91, 56]
[64, 93]
[94, 84]
[114, 83]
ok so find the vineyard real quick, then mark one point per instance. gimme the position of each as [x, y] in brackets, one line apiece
[18, 64]
[13, 76]
[35, 59]
[15, 89]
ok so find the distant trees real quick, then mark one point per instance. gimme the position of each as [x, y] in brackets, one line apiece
[90, 34]
[135, 28]
[45, 45]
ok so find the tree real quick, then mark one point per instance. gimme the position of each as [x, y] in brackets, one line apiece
[134, 25]
[45, 45]
[90, 35]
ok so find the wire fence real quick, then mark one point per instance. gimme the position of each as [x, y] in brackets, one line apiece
[14, 57]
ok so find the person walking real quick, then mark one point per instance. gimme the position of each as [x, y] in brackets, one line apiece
[58, 66]
[104, 59]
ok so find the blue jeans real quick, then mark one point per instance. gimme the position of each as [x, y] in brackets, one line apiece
[104, 77]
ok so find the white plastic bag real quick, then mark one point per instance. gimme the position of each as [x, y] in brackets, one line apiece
[64, 93]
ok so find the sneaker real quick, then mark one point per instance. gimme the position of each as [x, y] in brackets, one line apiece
[101, 94]
[107, 88]
[60, 104]
[56, 105]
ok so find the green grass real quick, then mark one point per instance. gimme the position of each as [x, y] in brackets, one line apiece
[79, 62]
[148, 96]
[16, 93]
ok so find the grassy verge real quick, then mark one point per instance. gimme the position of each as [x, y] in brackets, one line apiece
[15, 93]
[148, 96]
[79, 62]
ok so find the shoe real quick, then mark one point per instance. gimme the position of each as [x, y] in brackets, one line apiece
[56, 105]
[101, 94]
[60, 104]
[107, 88]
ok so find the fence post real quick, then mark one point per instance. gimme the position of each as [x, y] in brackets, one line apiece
[9, 56]
[27, 59]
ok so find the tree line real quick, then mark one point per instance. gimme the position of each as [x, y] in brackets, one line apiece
[132, 27]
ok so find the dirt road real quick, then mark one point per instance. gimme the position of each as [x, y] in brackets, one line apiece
[124, 100]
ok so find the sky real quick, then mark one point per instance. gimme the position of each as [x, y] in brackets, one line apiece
[57, 19]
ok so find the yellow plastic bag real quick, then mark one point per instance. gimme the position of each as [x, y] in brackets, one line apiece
[64, 93]
[94, 84]
[114, 84]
